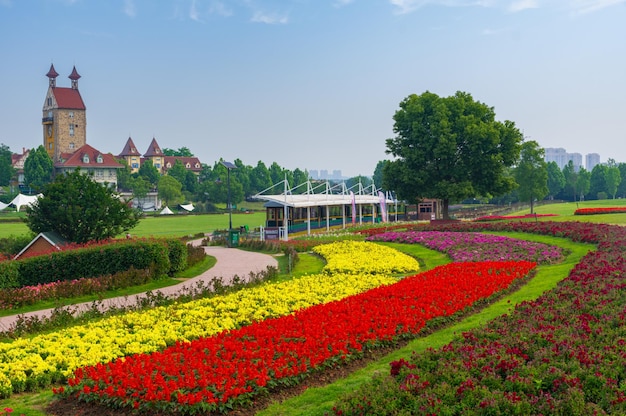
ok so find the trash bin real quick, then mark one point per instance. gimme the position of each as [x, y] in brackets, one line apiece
[233, 237]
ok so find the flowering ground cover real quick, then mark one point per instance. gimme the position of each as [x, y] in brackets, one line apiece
[594, 211]
[216, 372]
[31, 363]
[563, 353]
[467, 246]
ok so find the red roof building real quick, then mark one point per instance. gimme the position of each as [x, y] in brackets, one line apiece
[101, 166]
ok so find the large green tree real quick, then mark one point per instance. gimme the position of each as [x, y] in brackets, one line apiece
[449, 148]
[6, 167]
[531, 174]
[80, 210]
[38, 169]
[621, 189]
[556, 180]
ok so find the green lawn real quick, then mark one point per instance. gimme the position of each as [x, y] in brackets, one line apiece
[167, 225]
[565, 211]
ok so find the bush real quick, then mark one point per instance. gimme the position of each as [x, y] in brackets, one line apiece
[13, 244]
[9, 275]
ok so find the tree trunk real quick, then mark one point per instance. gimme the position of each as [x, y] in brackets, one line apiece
[446, 202]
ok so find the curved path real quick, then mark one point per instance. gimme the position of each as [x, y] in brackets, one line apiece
[231, 262]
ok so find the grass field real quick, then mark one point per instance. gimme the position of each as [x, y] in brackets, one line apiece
[565, 211]
[166, 225]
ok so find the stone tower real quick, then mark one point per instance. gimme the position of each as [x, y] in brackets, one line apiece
[64, 117]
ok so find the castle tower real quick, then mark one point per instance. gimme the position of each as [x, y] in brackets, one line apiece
[64, 117]
[155, 154]
[131, 156]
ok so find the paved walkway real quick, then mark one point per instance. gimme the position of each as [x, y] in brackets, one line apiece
[231, 262]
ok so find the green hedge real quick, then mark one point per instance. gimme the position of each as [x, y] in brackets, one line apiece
[9, 275]
[162, 256]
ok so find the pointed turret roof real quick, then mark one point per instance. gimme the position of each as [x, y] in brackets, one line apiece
[129, 149]
[52, 73]
[153, 150]
[74, 75]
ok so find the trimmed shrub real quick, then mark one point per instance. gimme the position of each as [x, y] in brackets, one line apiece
[97, 261]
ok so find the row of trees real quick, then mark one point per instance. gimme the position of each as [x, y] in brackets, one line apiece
[180, 184]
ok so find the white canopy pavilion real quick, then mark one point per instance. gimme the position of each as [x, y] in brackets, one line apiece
[297, 208]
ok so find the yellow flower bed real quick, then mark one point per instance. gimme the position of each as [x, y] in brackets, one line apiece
[30, 363]
[364, 257]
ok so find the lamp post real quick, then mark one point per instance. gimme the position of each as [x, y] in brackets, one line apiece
[229, 166]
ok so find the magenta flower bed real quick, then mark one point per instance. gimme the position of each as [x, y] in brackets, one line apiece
[475, 246]
[562, 354]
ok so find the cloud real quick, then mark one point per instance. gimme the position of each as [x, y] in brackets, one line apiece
[269, 18]
[588, 6]
[408, 6]
[520, 5]
[129, 8]
[219, 8]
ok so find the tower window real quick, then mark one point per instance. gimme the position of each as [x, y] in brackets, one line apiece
[72, 145]
[71, 114]
[49, 101]
[71, 129]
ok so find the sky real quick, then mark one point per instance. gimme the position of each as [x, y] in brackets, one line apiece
[313, 84]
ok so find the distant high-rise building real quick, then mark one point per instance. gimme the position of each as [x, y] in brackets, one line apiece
[323, 174]
[336, 174]
[557, 155]
[591, 160]
[314, 174]
[577, 160]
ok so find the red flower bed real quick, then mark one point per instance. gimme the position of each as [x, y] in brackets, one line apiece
[211, 373]
[594, 211]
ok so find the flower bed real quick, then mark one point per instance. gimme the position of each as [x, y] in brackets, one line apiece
[32, 363]
[563, 353]
[216, 372]
[462, 246]
[594, 211]
[364, 257]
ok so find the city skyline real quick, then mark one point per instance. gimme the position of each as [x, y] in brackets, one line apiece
[308, 84]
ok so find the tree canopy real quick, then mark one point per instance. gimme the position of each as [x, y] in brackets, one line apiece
[449, 148]
[6, 168]
[80, 210]
[38, 168]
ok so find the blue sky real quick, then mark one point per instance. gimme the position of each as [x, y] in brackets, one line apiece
[313, 84]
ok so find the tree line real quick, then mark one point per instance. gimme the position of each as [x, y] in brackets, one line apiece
[179, 185]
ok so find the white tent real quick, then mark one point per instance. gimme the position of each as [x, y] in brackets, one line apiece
[21, 200]
[166, 211]
[3, 205]
[188, 207]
